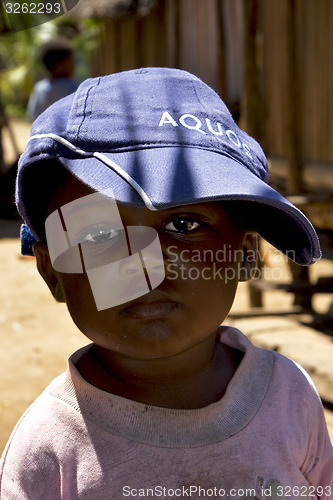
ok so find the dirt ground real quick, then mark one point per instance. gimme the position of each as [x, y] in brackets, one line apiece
[37, 334]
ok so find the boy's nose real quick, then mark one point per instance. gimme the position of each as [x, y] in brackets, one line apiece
[145, 243]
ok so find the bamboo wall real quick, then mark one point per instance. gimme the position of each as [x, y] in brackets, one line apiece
[185, 34]
[297, 78]
[285, 48]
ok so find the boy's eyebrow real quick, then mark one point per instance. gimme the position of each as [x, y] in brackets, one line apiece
[76, 206]
[186, 208]
[195, 209]
[90, 201]
[87, 211]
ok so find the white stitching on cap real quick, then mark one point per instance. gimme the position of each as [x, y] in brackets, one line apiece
[104, 159]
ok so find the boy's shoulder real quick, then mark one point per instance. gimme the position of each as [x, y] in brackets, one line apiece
[45, 419]
[287, 398]
[284, 374]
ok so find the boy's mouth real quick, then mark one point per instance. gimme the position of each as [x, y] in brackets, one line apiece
[150, 310]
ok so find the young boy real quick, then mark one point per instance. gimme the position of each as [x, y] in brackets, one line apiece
[58, 59]
[144, 199]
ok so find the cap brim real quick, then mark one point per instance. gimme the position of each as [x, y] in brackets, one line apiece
[176, 176]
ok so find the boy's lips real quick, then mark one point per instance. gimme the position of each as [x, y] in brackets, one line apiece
[150, 310]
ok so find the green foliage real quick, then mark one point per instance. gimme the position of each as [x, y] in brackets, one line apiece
[20, 67]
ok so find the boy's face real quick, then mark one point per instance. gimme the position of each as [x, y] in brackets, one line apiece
[187, 298]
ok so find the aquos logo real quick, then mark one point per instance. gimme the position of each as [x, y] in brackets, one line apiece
[192, 122]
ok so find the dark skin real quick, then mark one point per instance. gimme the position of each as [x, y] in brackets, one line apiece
[161, 349]
[63, 68]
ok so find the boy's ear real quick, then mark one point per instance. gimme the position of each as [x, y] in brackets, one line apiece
[47, 272]
[250, 255]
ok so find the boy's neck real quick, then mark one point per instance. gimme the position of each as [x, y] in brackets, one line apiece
[192, 379]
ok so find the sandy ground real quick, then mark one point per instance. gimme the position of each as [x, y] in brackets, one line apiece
[37, 334]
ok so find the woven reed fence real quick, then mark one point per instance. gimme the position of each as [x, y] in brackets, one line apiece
[273, 59]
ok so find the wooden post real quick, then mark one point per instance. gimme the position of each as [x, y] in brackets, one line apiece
[299, 274]
[294, 107]
[252, 108]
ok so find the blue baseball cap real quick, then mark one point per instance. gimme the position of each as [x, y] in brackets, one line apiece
[160, 138]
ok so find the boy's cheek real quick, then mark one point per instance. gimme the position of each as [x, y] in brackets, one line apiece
[74, 290]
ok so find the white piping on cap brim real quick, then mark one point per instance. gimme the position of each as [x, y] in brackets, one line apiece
[104, 159]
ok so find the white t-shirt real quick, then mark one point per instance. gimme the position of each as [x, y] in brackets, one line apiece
[266, 439]
[46, 92]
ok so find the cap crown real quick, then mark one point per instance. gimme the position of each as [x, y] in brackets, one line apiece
[151, 108]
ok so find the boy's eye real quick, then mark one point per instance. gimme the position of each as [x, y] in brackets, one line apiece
[183, 225]
[100, 234]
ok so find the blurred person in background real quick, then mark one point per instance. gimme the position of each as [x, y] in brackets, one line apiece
[59, 61]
